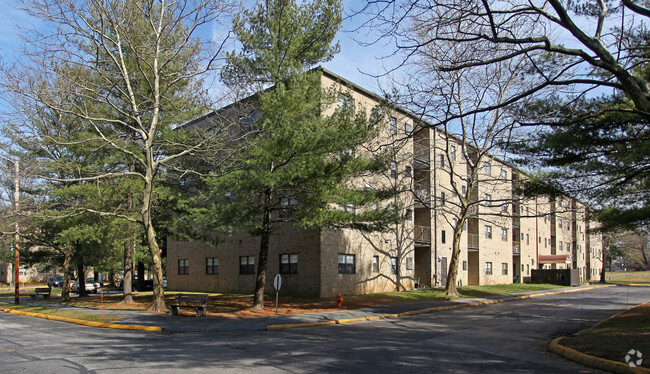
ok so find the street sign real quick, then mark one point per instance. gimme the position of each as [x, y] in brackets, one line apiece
[277, 282]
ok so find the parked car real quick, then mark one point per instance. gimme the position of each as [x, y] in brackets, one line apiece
[56, 281]
[90, 287]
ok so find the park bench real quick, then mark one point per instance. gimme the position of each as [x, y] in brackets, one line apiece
[197, 301]
[43, 291]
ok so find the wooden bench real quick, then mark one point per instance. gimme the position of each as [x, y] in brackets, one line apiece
[43, 291]
[197, 301]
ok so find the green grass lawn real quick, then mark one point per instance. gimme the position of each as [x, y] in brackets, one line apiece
[627, 277]
[60, 313]
[613, 338]
[503, 289]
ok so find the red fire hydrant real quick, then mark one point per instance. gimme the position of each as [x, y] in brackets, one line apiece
[339, 300]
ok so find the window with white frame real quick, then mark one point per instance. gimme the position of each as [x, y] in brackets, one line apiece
[452, 152]
[504, 234]
[393, 265]
[408, 129]
[409, 263]
[504, 174]
[442, 160]
[504, 268]
[393, 125]
[393, 169]
[488, 268]
[442, 198]
[347, 263]
[488, 232]
[487, 168]
[375, 264]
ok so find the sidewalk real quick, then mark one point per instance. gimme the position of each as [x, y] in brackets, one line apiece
[173, 324]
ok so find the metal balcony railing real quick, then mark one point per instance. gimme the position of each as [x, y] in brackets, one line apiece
[422, 234]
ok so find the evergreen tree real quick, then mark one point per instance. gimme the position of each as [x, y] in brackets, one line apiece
[297, 159]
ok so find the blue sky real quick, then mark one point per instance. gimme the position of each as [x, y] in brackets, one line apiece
[354, 62]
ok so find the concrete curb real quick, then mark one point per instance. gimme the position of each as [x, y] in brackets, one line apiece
[423, 311]
[85, 323]
[592, 361]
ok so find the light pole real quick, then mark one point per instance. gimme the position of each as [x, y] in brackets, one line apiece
[16, 228]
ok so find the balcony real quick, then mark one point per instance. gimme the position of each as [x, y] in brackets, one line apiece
[472, 241]
[516, 249]
[422, 196]
[422, 157]
[422, 234]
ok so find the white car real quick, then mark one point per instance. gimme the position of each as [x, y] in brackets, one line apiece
[90, 287]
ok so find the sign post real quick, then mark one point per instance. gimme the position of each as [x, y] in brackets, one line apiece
[277, 283]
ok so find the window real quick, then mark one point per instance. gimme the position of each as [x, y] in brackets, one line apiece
[560, 245]
[393, 169]
[346, 263]
[393, 265]
[375, 264]
[527, 239]
[504, 207]
[409, 263]
[288, 205]
[545, 242]
[454, 222]
[504, 268]
[568, 247]
[409, 214]
[488, 268]
[504, 235]
[559, 222]
[345, 102]
[452, 152]
[488, 232]
[464, 265]
[487, 168]
[522, 236]
[393, 125]
[442, 161]
[289, 264]
[487, 197]
[568, 225]
[442, 198]
[407, 171]
[246, 264]
[183, 266]
[349, 208]
[522, 268]
[408, 130]
[527, 269]
[443, 237]
[212, 265]
[504, 174]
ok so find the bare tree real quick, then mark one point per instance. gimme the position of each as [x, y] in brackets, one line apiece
[129, 73]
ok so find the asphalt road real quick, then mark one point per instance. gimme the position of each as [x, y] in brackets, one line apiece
[506, 337]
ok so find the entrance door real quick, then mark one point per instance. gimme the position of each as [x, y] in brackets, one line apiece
[443, 272]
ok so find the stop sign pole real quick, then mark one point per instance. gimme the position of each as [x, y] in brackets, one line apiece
[277, 283]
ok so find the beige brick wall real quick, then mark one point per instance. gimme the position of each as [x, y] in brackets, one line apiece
[288, 240]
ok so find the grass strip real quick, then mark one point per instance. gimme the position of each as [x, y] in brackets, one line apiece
[91, 317]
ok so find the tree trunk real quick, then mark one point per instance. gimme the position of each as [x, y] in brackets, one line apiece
[67, 269]
[603, 276]
[139, 284]
[158, 302]
[260, 283]
[127, 285]
[82, 276]
[452, 274]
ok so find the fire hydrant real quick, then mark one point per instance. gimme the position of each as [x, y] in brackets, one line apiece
[339, 300]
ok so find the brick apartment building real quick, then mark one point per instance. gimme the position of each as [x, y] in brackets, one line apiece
[501, 242]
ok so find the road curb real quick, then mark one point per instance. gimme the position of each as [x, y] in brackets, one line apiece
[424, 311]
[85, 323]
[592, 361]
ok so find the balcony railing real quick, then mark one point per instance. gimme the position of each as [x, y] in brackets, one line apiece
[516, 249]
[422, 156]
[422, 234]
[472, 240]
[422, 196]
